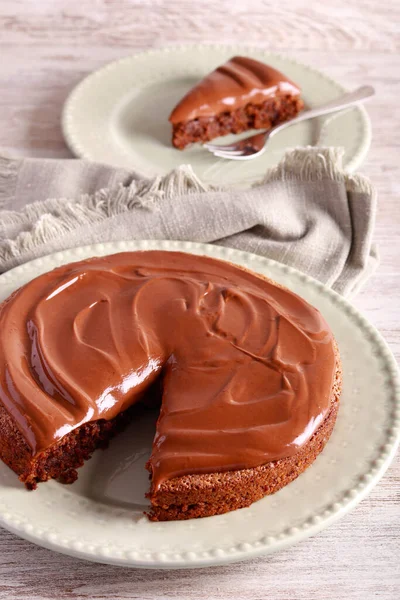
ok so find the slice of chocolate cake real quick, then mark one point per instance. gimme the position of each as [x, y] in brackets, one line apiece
[242, 94]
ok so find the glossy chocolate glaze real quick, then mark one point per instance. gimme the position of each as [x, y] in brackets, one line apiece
[236, 83]
[246, 367]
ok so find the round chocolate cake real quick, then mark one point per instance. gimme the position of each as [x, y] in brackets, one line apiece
[246, 374]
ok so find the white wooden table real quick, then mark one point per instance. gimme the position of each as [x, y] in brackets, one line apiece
[46, 47]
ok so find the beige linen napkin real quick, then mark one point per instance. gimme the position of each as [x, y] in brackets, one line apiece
[306, 213]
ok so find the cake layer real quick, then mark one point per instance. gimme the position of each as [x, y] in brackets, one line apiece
[271, 112]
[62, 459]
[246, 366]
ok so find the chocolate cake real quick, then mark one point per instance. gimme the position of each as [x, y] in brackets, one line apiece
[242, 94]
[248, 376]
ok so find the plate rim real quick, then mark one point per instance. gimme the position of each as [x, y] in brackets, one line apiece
[76, 148]
[243, 551]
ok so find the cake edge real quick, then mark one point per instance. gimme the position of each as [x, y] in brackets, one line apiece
[273, 111]
[205, 495]
[60, 460]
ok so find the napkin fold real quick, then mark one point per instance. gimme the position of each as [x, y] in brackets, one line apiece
[306, 212]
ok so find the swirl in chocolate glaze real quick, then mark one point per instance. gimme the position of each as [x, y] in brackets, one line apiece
[238, 82]
[246, 366]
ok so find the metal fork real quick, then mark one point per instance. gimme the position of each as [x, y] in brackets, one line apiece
[255, 145]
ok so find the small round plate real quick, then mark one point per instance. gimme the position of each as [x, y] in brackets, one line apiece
[100, 517]
[119, 115]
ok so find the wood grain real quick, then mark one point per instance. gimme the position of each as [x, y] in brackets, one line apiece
[46, 47]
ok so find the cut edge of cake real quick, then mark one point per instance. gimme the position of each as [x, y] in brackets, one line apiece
[206, 495]
[264, 98]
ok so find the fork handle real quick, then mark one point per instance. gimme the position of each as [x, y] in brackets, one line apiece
[361, 93]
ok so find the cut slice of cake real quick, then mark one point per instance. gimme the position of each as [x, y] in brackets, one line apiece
[242, 94]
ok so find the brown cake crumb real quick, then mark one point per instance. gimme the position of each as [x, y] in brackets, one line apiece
[273, 111]
[60, 460]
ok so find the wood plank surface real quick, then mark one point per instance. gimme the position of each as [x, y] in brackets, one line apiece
[46, 47]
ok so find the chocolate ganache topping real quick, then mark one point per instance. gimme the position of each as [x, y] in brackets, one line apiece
[238, 82]
[246, 366]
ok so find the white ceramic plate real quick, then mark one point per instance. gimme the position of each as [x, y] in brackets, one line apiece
[119, 114]
[100, 517]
